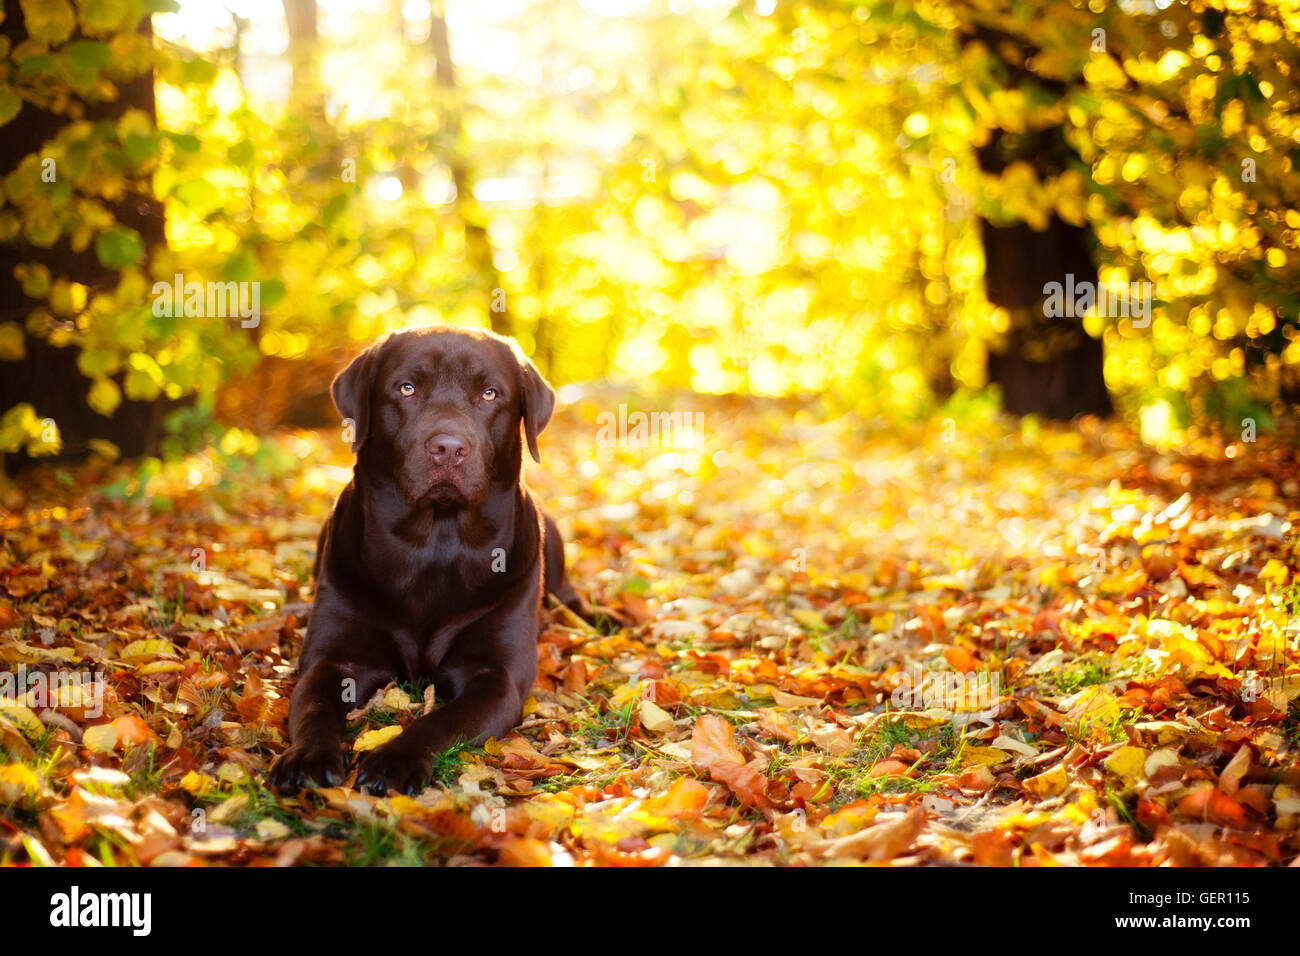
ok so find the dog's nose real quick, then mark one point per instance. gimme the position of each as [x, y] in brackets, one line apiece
[448, 450]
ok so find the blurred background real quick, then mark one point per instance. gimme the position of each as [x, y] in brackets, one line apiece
[863, 201]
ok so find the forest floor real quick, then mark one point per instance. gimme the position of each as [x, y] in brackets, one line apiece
[964, 640]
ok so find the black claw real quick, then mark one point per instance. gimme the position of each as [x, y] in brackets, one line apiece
[294, 772]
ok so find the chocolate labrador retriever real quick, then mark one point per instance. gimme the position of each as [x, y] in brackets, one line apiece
[433, 562]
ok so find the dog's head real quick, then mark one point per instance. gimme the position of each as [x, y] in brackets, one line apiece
[439, 409]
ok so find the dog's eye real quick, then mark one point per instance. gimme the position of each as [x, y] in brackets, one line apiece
[489, 394]
[406, 388]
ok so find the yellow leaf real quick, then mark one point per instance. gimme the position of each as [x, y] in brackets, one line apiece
[404, 806]
[794, 701]
[50, 20]
[271, 830]
[142, 651]
[375, 738]
[1094, 709]
[1286, 799]
[195, 782]
[161, 667]
[260, 566]
[1127, 763]
[1183, 651]
[1015, 746]
[104, 396]
[26, 721]
[102, 738]
[625, 693]
[231, 772]
[855, 816]
[550, 809]
[397, 699]
[101, 16]
[1275, 572]
[989, 756]
[655, 719]
[17, 781]
[809, 618]
[16, 652]
[1280, 691]
[12, 341]
[1166, 731]
[1049, 783]
[230, 809]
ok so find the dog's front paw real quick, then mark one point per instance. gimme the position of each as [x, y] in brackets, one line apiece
[393, 766]
[306, 766]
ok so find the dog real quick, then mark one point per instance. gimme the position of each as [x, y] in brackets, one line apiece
[434, 560]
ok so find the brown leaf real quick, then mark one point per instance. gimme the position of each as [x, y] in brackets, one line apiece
[883, 841]
[712, 741]
[260, 637]
[714, 752]
[745, 782]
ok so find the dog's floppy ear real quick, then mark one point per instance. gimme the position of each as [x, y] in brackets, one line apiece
[538, 399]
[351, 393]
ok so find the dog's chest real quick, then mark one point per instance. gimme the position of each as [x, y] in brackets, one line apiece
[432, 584]
[422, 650]
[431, 602]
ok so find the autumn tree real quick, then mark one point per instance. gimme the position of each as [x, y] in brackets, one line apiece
[77, 106]
[1044, 364]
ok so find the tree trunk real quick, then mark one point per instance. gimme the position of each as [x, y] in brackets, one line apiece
[47, 376]
[478, 247]
[1044, 366]
[1047, 366]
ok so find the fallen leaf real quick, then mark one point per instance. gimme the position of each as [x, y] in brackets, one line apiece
[880, 841]
[375, 738]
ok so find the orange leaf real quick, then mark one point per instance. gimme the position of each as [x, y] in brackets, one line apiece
[450, 823]
[994, 847]
[9, 617]
[711, 742]
[1114, 851]
[961, 659]
[1151, 815]
[683, 799]
[517, 753]
[1252, 799]
[1213, 805]
[133, 730]
[523, 851]
[714, 752]
[745, 782]
[632, 851]
[890, 768]
[975, 779]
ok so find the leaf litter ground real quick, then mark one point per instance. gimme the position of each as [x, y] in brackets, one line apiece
[955, 641]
